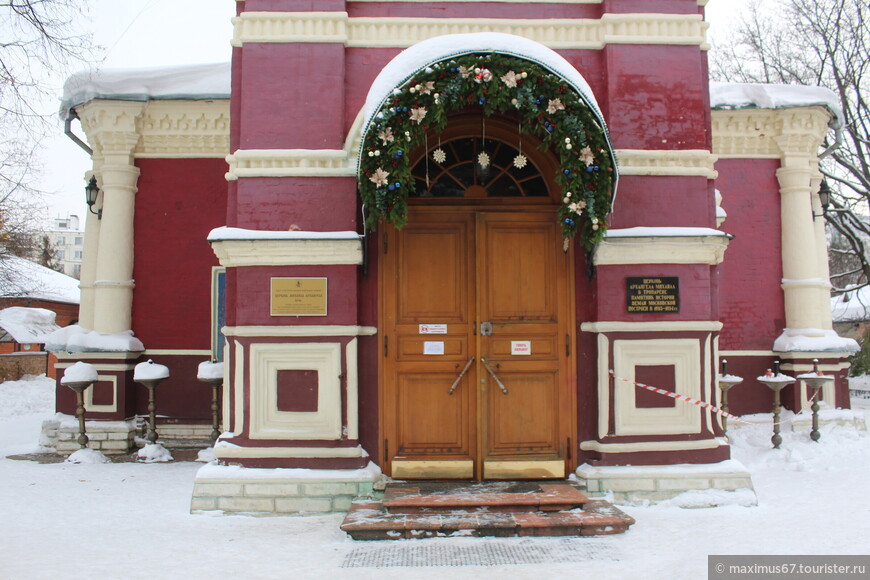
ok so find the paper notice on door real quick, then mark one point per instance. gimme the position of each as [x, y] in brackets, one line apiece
[433, 329]
[433, 347]
[521, 347]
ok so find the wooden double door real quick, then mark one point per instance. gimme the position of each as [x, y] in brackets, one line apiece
[478, 379]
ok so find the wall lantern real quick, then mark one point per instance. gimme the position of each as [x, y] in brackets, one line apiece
[824, 199]
[91, 193]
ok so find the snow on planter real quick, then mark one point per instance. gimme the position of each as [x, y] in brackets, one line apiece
[210, 370]
[80, 372]
[150, 371]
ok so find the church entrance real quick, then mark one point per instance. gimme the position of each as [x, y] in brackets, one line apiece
[476, 317]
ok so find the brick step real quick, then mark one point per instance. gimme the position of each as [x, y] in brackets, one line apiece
[505, 497]
[369, 520]
[438, 509]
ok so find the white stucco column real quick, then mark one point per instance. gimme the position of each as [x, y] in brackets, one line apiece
[89, 260]
[113, 287]
[111, 129]
[822, 251]
[803, 283]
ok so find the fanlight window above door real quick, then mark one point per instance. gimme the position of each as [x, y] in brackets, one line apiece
[454, 169]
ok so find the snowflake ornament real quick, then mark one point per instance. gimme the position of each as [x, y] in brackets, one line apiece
[483, 160]
[520, 161]
[439, 156]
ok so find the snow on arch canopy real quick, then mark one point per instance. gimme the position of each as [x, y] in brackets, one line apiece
[420, 85]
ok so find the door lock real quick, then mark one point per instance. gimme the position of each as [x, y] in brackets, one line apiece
[486, 329]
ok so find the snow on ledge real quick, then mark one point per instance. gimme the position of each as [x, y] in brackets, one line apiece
[28, 325]
[77, 339]
[647, 232]
[813, 340]
[184, 82]
[771, 96]
[225, 233]
[723, 467]
[371, 472]
[851, 306]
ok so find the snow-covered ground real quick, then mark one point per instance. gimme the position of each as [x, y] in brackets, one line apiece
[131, 520]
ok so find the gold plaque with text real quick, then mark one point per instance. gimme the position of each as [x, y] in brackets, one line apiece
[298, 296]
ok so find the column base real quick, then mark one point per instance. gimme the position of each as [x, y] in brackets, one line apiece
[274, 492]
[689, 485]
[109, 437]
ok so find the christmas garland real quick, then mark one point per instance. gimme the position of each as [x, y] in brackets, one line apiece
[496, 83]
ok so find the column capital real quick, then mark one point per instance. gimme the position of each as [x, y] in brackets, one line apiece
[112, 128]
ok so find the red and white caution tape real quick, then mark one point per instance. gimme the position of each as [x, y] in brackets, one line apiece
[673, 395]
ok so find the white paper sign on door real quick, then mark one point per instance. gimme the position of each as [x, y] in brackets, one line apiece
[521, 347]
[433, 347]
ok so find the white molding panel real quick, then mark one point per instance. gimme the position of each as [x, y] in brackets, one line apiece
[683, 418]
[267, 422]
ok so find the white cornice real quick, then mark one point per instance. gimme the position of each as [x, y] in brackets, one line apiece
[185, 129]
[298, 331]
[661, 250]
[689, 163]
[768, 133]
[290, 163]
[157, 129]
[338, 27]
[343, 162]
[235, 253]
[653, 326]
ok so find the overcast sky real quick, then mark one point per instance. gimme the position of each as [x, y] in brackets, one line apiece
[138, 33]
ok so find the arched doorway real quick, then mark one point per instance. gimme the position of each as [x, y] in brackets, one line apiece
[476, 310]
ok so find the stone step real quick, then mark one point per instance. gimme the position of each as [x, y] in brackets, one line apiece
[509, 497]
[369, 520]
[439, 509]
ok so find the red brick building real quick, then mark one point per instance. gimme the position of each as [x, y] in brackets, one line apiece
[435, 228]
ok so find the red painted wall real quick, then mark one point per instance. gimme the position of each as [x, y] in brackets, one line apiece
[695, 291]
[751, 298]
[179, 201]
[253, 295]
[663, 201]
[292, 96]
[319, 204]
[656, 96]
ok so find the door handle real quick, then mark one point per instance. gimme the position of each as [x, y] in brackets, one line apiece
[486, 329]
[500, 384]
[459, 378]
